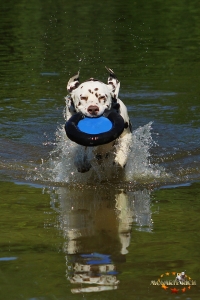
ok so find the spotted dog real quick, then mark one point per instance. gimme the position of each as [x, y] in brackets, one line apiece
[92, 98]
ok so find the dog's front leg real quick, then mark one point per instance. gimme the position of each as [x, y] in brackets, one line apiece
[81, 159]
[122, 149]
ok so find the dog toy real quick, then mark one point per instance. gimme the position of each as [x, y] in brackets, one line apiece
[94, 131]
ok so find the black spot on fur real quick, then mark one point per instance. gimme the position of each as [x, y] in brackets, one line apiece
[116, 106]
[77, 84]
[110, 82]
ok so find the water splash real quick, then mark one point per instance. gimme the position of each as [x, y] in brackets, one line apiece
[139, 165]
[60, 168]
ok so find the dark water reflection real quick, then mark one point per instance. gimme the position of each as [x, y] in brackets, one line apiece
[124, 239]
[81, 241]
[97, 226]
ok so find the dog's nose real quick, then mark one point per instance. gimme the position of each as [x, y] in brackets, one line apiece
[93, 110]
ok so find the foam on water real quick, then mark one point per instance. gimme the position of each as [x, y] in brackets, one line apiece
[60, 168]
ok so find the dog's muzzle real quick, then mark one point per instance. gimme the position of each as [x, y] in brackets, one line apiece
[93, 110]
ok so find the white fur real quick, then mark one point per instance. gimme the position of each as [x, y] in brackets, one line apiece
[92, 98]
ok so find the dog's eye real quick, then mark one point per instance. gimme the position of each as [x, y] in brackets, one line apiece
[102, 98]
[84, 98]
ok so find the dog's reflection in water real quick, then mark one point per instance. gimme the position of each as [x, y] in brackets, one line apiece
[97, 224]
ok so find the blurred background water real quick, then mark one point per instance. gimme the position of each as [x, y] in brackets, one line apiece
[65, 234]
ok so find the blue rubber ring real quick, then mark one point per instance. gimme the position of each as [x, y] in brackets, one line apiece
[87, 139]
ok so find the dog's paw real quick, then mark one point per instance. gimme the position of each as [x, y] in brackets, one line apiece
[118, 165]
[120, 160]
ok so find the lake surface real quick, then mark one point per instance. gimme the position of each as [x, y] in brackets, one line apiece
[99, 235]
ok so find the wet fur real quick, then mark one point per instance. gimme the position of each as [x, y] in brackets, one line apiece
[92, 98]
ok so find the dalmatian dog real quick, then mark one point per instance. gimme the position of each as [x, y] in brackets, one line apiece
[181, 276]
[92, 98]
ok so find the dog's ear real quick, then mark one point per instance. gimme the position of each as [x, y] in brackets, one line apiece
[73, 83]
[70, 109]
[69, 102]
[113, 83]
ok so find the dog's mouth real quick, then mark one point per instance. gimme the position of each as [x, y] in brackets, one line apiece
[92, 116]
[98, 115]
[94, 111]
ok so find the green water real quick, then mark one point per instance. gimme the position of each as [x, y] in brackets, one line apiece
[141, 228]
[28, 234]
[31, 236]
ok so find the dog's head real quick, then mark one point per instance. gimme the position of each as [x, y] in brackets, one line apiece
[93, 97]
